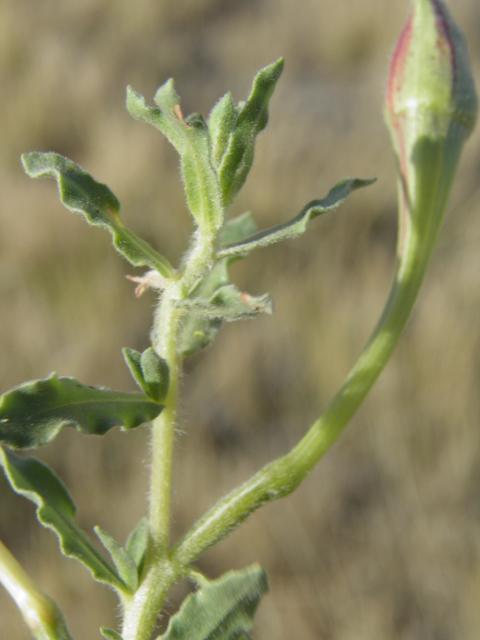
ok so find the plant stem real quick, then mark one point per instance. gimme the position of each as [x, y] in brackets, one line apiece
[164, 340]
[141, 611]
[163, 428]
[141, 614]
[38, 610]
[417, 236]
[160, 572]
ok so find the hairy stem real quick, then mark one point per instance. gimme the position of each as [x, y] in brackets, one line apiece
[281, 477]
[159, 571]
[163, 428]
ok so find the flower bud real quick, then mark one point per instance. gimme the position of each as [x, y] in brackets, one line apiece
[431, 109]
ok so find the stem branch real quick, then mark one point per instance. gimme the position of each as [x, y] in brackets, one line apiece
[283, 475]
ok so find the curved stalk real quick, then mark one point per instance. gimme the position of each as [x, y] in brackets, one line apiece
[39, 611]
[431, 109]
[419, 224]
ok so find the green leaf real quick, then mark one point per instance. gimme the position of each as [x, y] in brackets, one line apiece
[149, 371]
[33, 413]
[137, 542]
[230, 304]
[123, 561]
[55, 509]
[110, 634]
[220, 124]
[79, 192]
[156, 374]
[132, 359]
[222, 609]
[298, 225]
[191, 139]
[237, 158]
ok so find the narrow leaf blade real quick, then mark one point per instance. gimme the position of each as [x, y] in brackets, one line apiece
[132, 360]
[238, 156]
[137, 542]
[149, 371]
[220, 124]
[55, 509]
[222, 609]
[123, 561]
[191, 139]
[158, 116]
[298, 225]
[33, 413]
[79, 192]
[229, 303]
[156, 374]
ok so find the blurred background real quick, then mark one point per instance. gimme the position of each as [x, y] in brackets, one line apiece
[383, 539]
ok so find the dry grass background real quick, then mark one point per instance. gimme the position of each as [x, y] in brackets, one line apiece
[383, 539]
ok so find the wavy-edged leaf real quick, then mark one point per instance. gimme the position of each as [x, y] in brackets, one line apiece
[123, 561]
[229, 303]
[222, 609]
[33, 413]
[137, 543]
[237, 158]
[191, 139]
[298, 225]
[79, 192]
[110, 634]
[149, 371]
[55, 509]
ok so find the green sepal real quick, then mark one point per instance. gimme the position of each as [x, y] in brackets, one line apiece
[137, 543]
[56, 510]
[79, 192]
[230, 304]
[123, 561]
[222, 609]
[33, 413]
[191, 139]
[197, 331]
[298, 225]
[149, 371]
[220, 123]
[110, 634]
[252, 117]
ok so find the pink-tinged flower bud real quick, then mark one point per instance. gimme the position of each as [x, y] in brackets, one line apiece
[431, 109]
